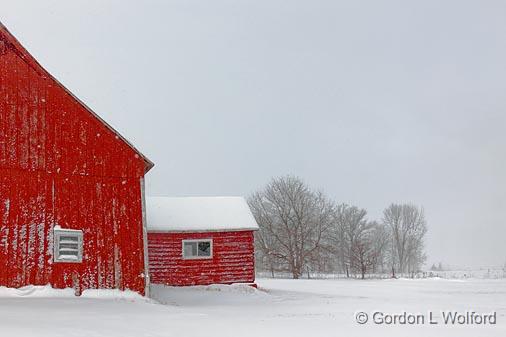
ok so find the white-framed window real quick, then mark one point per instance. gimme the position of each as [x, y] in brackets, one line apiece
[68, 245]
[198, 249]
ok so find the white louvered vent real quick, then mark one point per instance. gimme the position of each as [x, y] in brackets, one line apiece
[68, 245]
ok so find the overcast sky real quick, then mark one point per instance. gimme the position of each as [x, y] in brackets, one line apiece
[372, 101]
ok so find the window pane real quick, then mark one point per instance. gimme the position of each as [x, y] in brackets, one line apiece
[190, 249]
[204, 248]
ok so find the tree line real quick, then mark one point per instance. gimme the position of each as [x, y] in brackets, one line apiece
[303, 231]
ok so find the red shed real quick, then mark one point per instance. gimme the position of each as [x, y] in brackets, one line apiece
[71, 188]
[200, 241]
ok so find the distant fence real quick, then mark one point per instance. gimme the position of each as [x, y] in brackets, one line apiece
[486, 273]
[285, 275]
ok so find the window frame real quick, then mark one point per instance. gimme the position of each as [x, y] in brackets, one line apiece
[185, 257]
[57, 234]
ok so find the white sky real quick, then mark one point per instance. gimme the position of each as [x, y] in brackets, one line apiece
[373, 101]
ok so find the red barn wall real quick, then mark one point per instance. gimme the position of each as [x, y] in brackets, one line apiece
[60, 165]
[232, 261]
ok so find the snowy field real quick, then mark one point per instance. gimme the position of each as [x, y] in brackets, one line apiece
[278, 308]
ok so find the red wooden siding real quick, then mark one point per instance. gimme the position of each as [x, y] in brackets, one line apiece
[60, 165]
[232, 261]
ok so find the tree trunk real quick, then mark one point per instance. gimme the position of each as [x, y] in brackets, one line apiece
[296, 273]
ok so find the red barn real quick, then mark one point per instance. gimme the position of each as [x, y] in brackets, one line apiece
[200, 241]
[71, 188]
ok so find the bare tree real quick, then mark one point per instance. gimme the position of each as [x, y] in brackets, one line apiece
[361, 253]
[407, 227]
[348, 225]
[266, 246]
[380, 241]
[293, 220]
[368, 249]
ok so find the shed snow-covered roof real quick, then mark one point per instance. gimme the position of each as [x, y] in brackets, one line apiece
[167, 214]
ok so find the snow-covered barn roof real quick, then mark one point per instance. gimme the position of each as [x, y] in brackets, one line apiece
[188, 214]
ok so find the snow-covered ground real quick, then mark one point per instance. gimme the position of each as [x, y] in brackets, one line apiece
[278, 308]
